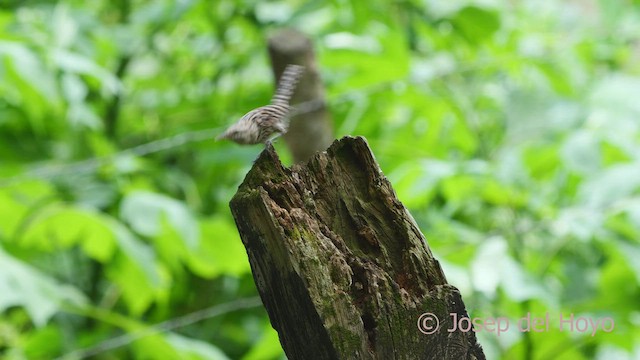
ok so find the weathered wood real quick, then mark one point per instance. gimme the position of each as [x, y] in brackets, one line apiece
[311, 130]
[340, 264]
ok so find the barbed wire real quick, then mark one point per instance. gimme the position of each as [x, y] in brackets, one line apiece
[164, 326]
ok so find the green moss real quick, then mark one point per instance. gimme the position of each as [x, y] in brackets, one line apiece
[346, 341]
[244, 196]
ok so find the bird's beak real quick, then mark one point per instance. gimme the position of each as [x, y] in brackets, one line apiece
[221, 136]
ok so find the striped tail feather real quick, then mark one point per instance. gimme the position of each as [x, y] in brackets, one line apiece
[287, 84]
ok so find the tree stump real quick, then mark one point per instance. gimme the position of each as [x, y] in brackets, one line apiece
[340, 264]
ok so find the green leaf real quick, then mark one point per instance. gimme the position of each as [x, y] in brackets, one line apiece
[220, 251]
[613, 184]
[520, 285]
[44, 342]
[581, 222]
[138, 252]
[66, 226]
[557, 78]
[631, 252]
[16, 202]
[155, 346]
[144, 211]
[73, 88]
[617, 276]
[359, 58]
[416, 183]
[612, 154]
[11, 213]
[499, 194]
[493, 267]
[138, 291]
[81, 115]
[36, 86]
[40, 295]
[136, 272]
[268, 347]
[476, 24]
[79, 64]
[193, 349]
[626, 225]
[99, 235]
[581, 152]
[462, 137]
[542, 161]
[487, 266]
[460, 188]
[612, 94]
[64, 25]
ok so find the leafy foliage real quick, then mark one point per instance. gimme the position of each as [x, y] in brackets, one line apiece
[509, 129]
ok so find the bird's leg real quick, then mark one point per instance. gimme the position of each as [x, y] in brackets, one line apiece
[268, 145]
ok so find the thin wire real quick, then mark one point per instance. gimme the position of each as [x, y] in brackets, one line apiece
[50, 171]
[164, 326]
[83, 166]
[46, 172]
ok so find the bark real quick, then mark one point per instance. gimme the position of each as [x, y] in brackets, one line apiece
[340, 264]
[311, 130]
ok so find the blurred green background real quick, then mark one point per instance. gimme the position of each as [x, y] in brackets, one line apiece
[510, 129]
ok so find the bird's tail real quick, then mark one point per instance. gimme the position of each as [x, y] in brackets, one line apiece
[287, 84]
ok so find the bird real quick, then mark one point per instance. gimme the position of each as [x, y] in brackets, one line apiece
[265, 123]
